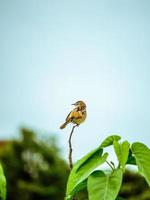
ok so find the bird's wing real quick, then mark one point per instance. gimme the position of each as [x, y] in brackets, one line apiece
[68, 116]
[74, 114]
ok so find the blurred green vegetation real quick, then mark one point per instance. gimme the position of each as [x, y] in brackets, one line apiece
[34, 169]
[134, 187]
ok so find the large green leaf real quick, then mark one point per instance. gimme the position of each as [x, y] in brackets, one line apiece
[122, 151]
[125, 146]
[2, 184]
[142, 156]
[85, 158]
[105, 187]
[109, 140]
[117, 148]
[82, 169]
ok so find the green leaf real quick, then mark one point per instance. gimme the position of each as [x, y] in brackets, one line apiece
[125, 146]
[81, 186]
[142, 156]
[117, 148]
[2, 184]
[82, 169]
[122, 151]
[109, 140]
[102, 186]
[131, 159]
[84, 159]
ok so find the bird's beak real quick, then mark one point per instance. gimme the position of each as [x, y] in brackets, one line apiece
[73, 104]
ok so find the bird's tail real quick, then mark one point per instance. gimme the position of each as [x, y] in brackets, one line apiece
[63, 125]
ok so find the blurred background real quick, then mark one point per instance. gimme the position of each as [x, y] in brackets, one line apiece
[53, 53]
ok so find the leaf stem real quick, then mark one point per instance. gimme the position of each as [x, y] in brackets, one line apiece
[112, 167]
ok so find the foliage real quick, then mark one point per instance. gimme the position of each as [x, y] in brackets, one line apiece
[106, 184]
[142, 156]
[82, 169]
[134, 187]
[34, 168]
[122, 152]
[2, 184]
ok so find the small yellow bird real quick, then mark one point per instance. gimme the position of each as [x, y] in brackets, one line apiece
[77, 115]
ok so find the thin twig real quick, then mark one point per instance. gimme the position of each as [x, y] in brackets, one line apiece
[70, 151]
[70, 148]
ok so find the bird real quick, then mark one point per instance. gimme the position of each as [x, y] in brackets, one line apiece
[77, 115]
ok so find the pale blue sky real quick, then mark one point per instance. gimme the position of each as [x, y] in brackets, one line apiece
[53, 53]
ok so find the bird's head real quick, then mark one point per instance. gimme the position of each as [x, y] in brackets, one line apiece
[79, 104]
